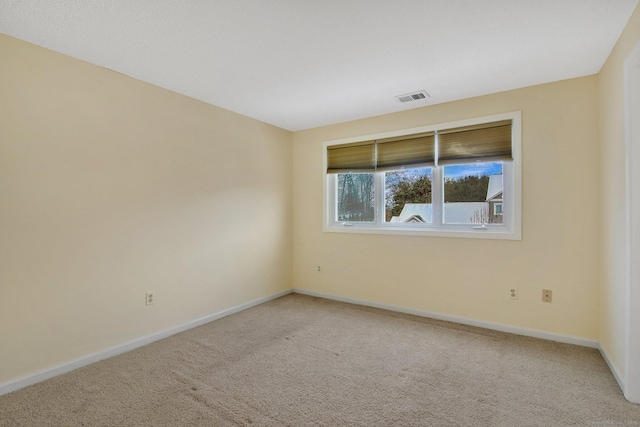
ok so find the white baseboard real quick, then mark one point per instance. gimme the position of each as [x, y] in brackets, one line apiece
[63, 368]
[612, 367]
[550, 336]
[45, 374]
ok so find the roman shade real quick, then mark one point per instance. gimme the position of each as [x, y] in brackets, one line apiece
[487, 141]
[482, 142]
[406, 151]
[357, 157]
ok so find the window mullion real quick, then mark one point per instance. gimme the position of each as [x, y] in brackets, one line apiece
[437, 196]
[379, 198]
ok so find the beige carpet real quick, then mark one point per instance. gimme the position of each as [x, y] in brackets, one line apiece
[303, 361]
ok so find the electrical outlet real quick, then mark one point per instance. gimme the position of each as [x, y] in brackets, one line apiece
[150, 298]
[546, 295]
[513, 293]
[318, 268]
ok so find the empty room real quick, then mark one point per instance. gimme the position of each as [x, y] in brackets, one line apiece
[292, 213]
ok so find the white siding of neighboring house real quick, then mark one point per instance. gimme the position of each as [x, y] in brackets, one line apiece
[454, 213]
[462, 213]
[494, 189]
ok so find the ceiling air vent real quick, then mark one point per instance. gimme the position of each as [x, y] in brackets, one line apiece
[415, 96]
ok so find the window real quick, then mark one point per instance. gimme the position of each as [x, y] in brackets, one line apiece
[457, 179]
[355, 197]
[469, 192]
[407, 195]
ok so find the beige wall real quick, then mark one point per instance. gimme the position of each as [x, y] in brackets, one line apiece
[110, 187]
[559, 249]
[612, 153]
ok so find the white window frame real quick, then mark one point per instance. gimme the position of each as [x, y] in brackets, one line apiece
[495, 209]
[510, 229]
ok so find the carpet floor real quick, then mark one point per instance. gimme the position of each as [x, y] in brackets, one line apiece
[304, 361]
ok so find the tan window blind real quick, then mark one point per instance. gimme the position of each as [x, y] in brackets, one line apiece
[488, 141]
[357, 157]
[408, 150]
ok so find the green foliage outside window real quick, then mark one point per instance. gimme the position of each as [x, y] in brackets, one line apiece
[401, 187]
[466, 189]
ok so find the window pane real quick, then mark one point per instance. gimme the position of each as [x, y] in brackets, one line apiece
[471, 193]
[354, 197]
[408, 195]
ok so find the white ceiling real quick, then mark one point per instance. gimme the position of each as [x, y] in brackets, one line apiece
[299, 64]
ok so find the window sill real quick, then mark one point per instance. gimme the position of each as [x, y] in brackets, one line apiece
[465, 233]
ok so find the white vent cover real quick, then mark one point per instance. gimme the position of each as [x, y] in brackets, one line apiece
[414, 96]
